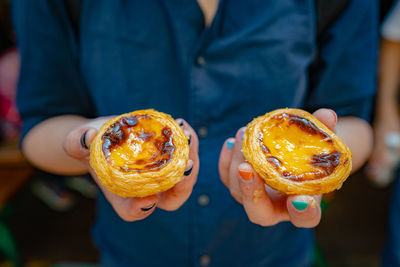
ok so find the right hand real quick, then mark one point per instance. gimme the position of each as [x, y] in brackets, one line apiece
[134, 208]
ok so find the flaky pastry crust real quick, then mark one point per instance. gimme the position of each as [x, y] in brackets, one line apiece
[139, 154]
[295, 153]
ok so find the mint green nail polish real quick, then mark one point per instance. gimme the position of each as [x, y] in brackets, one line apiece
[300, 205]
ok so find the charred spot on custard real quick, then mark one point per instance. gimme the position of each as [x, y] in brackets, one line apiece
[116, 134]
[307, 126]
[326, 161]
[138, 130]
[315, 165]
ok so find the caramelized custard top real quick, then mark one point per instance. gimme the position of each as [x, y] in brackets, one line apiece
[138, 143]
[297, 148]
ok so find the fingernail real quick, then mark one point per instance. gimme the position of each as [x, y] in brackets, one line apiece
[83, 140]
[300, 205]
[189, 171]
[334, 113]
[189, 136]
[148, 208]
[180, 123]
[230, 144]
[242, 133]
[246, 175]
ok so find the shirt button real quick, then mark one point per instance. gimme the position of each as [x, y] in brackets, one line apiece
[203, 200]
[205, 260]
[200, 61]
[202, 131]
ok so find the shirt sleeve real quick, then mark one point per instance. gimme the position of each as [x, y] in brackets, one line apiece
[50, 83]
[343, 76]
[391, 26]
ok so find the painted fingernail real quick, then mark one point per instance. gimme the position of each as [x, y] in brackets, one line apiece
[242, 133]
[180, 123]
[246, 175]
[189, 136]
[188, 172]
[83, 140]
[300, 205]
[189, 168]
[230, 144]
[148, 208]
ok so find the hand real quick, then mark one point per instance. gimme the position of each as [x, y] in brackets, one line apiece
[383, 160]
[77, 145]
[263, 205]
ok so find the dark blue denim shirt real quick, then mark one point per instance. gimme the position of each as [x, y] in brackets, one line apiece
[255, 57]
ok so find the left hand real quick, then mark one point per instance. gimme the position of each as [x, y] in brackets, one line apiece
[77, 144]
[263, 205]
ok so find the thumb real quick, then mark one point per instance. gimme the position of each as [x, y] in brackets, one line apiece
[327, 117]
[77, 142]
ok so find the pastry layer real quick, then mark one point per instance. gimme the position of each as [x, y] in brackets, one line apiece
[295, 153]
[138, 154]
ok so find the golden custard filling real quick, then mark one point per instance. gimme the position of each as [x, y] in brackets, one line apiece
[297, 148]
[138, 143]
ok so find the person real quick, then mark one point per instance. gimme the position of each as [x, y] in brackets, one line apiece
[216, 65]
[382, 167]
[384, 159]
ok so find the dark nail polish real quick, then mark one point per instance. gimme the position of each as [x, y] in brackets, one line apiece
[148, 208]
[189, 139]
[180, 123]
[83, 140]
[188, 172]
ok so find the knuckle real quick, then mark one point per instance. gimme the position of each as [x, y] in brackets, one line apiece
[171, 206]
[253, 220]
[264, 222]
[67, 143]
[235, 194]
[238, 133]
[259, 222]
[126, 217]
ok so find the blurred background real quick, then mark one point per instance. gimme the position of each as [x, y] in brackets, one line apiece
[45, 220]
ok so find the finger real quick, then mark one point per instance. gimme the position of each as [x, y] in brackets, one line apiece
[237, 158]
[225, 159]
[259, 207]
[77, 142]
[327, 117]
[193, 140]
[174, 198]
[304, 211]
[129, 209]
[132, 209]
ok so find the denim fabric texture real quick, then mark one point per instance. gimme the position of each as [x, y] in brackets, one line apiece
[255, 57]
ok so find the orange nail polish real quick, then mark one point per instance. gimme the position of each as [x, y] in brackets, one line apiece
[246, 175]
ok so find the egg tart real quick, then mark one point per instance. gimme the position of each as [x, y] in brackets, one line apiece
[295, 153]
[141, 153]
